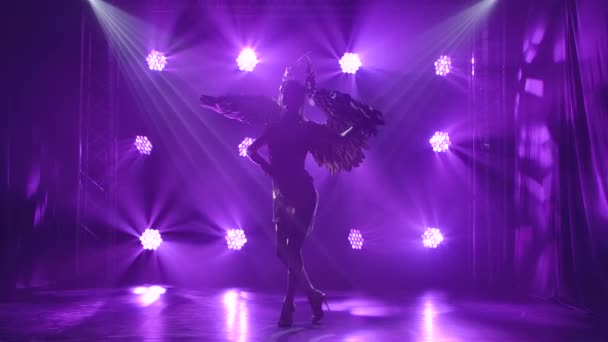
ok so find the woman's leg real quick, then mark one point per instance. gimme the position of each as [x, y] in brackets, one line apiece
[298, 277]
[289, 250]
[302, 223]
[283, 249]
[297, 272]
[285, 319]
[281, 242]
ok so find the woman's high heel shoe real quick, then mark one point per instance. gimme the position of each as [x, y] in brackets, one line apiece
[286, 319]
[316, 299]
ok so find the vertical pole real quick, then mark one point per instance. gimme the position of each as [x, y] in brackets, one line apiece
[81, 109]
[472, 175]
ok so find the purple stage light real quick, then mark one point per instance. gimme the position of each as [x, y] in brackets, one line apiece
[440, 141]
[150, 239]
[156, 60]
[235, 238]
[247, 60]
[443, 65]
[432, 237]
[244, 145]
[355, 238]
[350, 63]
[143, 145]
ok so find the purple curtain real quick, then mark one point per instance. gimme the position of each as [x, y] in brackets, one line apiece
[561, 113]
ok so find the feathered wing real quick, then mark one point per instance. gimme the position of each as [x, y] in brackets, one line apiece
[341, 140]
[254, 110]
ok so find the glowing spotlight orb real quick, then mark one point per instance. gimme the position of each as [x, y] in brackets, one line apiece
[247, 60]
[235, 239]
[350, 63]
[244, 145]
[432, 237]
[156, 60]
[443, 65]
[143, 145]
[150, 239]
[355, 238]
[440, 141]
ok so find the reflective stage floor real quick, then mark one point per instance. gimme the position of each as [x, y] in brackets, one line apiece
[154, 313]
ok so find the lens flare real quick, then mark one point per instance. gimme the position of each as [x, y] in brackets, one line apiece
[235, 239]
[247, 60]
[350, 63]
[150, 239]
[355, 238]
[156, 60]
[443, 65]
[440, 141]
[432, 237]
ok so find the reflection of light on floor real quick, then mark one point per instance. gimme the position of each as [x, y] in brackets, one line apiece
[360, 336]
[75, 315]
[428, 320]
[283, 334]
[149, 298]
[148, 294]
[367, 308]
[151, 324]
[140, 290]
[237, 317]
[371, 311]
[434, 325]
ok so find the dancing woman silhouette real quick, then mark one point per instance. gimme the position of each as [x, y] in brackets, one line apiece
[337, 144]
